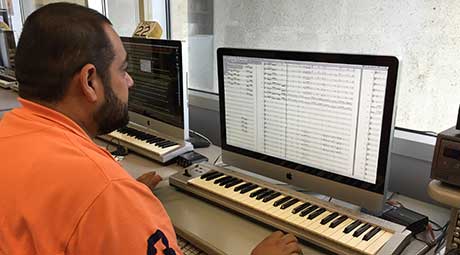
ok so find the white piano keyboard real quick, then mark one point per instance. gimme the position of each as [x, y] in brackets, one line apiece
[148, 144]
[333, 227]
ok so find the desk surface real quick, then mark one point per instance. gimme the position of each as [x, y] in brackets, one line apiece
[229, 232]
[232, 233]
[8, 99]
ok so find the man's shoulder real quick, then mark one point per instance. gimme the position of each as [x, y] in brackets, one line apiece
[97, 158]
[62, 153]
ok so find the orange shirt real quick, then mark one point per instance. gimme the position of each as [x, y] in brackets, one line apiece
[62, 194]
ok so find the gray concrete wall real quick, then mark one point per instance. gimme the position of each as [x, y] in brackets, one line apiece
[422, 34]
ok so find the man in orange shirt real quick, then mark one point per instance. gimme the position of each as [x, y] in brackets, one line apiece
[59, 192]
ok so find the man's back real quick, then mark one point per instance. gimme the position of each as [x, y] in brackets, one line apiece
[59, 192]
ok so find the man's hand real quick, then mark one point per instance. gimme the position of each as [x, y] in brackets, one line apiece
[151, 179]
[278, 243]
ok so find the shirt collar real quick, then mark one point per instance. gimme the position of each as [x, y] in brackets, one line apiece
[52, 116]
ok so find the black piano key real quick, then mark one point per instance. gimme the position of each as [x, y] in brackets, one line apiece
[219, 180]
[265, 194]
[159, 144]
[316, 213]
[328, 218]
[281, 201]
[308, 210]
[140, 135]
[300, 207]
[338, 221]
[289, 204]
[222, 183]
[207, 174]
[362, 229]
[151, 141]
[257, 192]
[214, 176]
[156, 140]
[169, 144]
[271, 197]
[242, 186]
[233, 183]
[371, 233]
[164, 141]
[352, 226]
[248, 188]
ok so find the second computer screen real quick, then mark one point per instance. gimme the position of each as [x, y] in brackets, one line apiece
[156, 68]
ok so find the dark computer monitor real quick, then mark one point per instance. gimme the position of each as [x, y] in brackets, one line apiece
[319, 121]
[158, 97]
[7, 49]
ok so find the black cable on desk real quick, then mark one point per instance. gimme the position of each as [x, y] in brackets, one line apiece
[6, 109]
[420, 132]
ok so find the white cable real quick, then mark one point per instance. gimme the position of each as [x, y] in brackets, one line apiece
[202, 136]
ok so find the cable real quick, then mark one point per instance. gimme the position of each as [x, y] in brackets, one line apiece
[119, 149]
[391, 195]
[430, 244]
[6, 109]
[420, 132]
[442, 238]
[439, 228]
[203, 91]
[200, 135]
[215, 161]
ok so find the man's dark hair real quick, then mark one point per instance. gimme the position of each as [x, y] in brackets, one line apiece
[57, 40]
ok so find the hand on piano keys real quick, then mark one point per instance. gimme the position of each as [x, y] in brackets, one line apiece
[278, 243]
[317, 220]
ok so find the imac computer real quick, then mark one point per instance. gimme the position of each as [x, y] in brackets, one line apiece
[322, 122]
[157, 105]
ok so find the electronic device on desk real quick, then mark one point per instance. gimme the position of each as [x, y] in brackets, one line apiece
[445, 188]
[190, 158]
[7, 53]
[322, 122]
[446, 159]
[450, 196]
[7, 80]
[158, 108]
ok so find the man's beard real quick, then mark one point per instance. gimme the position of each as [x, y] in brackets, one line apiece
[113, 114]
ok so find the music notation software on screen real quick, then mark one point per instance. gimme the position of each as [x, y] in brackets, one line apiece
[324, 115]
[156, 73]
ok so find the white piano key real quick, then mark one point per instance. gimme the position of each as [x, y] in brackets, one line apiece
[349, 236]
[363, 245]
[320, 228]
[295, 219]
[317, 221]
[273, 209]
[375, 247]
[143, 144]
[288, 211]
[337, 232]
[356, 240]
[311, 227]
[307, 222]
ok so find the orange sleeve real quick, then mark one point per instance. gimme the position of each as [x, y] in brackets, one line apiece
[124, 219]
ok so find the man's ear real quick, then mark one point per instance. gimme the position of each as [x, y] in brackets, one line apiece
[90, 83]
